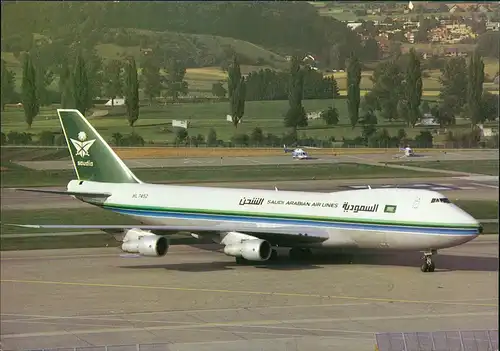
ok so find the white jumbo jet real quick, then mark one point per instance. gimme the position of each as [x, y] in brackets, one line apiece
[251, 223]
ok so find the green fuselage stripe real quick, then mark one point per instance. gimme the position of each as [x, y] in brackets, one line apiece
[286, 216]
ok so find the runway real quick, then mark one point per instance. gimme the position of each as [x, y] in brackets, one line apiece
[274, 160]
[200, 300]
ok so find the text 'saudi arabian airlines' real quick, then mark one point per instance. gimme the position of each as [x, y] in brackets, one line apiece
[251, 223]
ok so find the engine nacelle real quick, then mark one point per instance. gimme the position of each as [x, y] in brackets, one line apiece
[145, 243]
[252, 250]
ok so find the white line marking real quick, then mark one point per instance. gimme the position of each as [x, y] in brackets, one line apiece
[105, 317]
[486, 185]
[249, 324]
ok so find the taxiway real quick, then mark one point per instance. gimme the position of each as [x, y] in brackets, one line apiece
[196, 299]
[279, 160]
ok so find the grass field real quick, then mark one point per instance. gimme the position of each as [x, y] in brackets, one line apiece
[20, 176]
[478, 209]
[155, 122]
[489, 167]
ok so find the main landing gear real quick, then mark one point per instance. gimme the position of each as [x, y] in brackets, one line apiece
[428, 265]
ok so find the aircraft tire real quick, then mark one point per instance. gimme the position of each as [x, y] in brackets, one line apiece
[428, 267]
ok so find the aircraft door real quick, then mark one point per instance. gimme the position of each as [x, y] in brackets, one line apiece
[416, 203]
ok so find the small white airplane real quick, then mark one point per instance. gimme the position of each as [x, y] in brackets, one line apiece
[251, 223]
[298, 153]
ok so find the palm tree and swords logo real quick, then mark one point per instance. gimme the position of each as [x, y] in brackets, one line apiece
[82, 145]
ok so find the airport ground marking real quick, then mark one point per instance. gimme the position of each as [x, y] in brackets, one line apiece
[245, 292]
[106, 317]
[249, 324]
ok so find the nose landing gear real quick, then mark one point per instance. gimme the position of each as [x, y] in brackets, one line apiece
[428, 265]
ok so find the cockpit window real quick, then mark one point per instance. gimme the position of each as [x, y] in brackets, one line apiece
[442, 199]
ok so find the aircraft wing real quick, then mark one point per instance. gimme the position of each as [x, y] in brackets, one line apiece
[273, 233]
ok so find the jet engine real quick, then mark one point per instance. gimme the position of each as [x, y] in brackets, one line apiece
[251, 250]
[145, 243]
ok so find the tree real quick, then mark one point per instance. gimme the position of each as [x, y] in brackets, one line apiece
[475, 79]
[371, 50]
[454, 84]
[175, 83]
[212, 137]
[219, 90]
[296, 115]
[257, 136]
[424, 139]
[181, 136]
[151, 78]
[237, 91]
[353, 91]
[443, 115]
[387, 90]
[422, 33]
[131, 91]
[65, 86]
[7, 86]
[30, 101]
[330, 116]
[488, 44]
[81, 86]
[113, 86]
[489, 106]
[94, 67]
[413, 88]
[369, 122]
[44, 78]
[425, 107]
[402, 136]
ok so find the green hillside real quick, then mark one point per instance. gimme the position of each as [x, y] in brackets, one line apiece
[198, 47]
[202, 35]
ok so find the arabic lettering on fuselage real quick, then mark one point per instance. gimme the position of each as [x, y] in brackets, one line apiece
[359, 208]
[302, 203]
[253, 201]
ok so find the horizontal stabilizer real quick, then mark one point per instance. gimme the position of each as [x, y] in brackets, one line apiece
[305, 233]
[63, 192]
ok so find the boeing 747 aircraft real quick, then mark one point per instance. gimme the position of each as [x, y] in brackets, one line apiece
[250, 224]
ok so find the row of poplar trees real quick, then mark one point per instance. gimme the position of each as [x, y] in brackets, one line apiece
[296, 115]
[75, 88]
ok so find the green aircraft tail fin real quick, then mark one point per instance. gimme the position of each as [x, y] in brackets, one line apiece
[92, 157]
